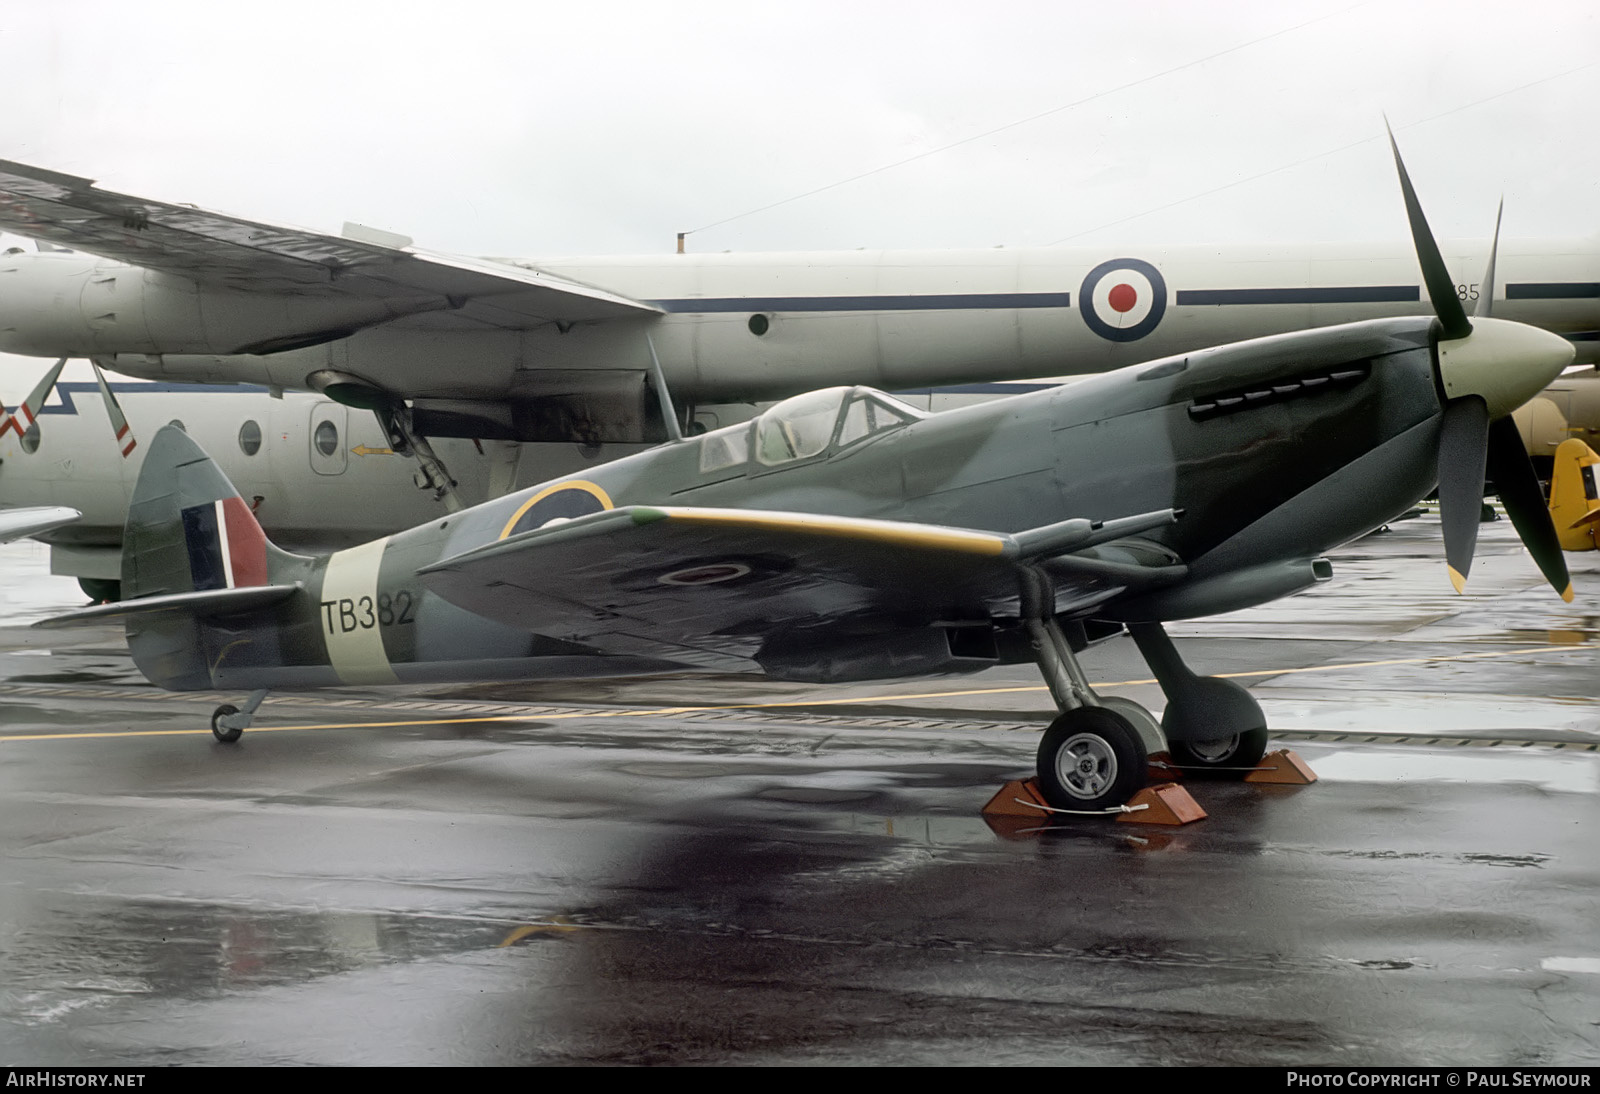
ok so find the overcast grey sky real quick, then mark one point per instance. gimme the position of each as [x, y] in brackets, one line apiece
[559, 129]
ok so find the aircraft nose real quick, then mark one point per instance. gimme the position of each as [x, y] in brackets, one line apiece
[1504, 363]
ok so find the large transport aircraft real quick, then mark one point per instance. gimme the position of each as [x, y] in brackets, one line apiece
[843, 535]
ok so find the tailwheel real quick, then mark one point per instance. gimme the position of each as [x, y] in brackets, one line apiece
[226, 734]
[1091, 759]
[1231, 757]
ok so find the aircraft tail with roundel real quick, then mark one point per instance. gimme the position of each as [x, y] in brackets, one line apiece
[192, 552]
[1574, 499]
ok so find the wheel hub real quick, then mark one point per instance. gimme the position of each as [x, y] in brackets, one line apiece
[1086, 765]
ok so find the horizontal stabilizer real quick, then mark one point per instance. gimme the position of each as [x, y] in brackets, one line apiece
[16, 523]
[207, 604]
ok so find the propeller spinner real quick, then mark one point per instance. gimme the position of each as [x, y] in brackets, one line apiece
[1487, 368]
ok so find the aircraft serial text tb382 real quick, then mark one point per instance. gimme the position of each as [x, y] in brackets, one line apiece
[842, 535]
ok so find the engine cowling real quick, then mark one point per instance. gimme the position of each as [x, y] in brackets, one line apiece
[65, 304]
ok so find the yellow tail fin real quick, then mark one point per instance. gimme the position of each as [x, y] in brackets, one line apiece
[1574, 500]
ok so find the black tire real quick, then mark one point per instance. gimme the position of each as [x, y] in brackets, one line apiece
[218, 730]
[1091, 759]
[1228, 758]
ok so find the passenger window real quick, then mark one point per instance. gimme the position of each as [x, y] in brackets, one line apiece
[250, 438]
[326, 438]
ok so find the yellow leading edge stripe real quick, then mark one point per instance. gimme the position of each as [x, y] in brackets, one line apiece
[903, 535]
[659, 711]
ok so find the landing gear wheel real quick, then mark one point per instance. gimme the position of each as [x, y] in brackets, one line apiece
[1091, 759]
[221, 732]
[1237, 754]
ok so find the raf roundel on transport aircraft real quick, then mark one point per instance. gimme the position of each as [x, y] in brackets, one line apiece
[1123, 300]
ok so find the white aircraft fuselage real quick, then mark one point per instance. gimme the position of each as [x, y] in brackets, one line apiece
[742, 327]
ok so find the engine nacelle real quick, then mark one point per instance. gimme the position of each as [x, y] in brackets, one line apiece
[65, 304]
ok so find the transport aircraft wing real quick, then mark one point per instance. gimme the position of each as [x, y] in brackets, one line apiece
[714, 586]
[231, 253]
[16, 523]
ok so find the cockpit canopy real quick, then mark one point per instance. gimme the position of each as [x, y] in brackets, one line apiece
[805, 426]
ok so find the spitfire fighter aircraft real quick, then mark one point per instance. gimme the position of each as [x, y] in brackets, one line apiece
[843, 535]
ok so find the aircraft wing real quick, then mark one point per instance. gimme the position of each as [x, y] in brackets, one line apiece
[16, 523]
[720, 588]
[253, 256]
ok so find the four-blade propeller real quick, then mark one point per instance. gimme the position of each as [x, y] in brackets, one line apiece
[1487, 368]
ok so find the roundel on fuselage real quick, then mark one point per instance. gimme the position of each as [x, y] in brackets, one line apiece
[1123, 300]
[563, 501]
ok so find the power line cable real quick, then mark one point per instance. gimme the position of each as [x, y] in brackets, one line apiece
[1320, 155]
[1023, 121]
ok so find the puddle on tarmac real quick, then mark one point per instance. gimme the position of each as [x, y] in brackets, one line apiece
[197, 950]
[1574, 775]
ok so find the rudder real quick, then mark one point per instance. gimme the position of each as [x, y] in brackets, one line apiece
[188, 532]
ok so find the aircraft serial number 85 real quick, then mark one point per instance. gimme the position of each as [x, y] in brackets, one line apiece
[363, 613]
[1467, 292]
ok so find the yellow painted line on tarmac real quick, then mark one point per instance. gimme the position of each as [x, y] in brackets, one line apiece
[657, 712]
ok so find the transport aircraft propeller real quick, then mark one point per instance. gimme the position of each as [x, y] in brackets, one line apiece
[26, 419]
[1486, 368]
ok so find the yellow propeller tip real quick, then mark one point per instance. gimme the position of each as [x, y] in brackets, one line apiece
[1457, 579]
[1566, 594]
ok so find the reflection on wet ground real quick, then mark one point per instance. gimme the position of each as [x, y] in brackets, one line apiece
[594, 879]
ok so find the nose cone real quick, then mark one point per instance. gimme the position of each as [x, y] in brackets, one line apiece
[1505, 363]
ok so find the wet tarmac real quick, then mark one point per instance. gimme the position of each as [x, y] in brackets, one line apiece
[591, 873]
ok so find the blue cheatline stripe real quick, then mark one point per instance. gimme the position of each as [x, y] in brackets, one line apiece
[932, 302]
[1553, 290]
[67, 389]
[1333, 294]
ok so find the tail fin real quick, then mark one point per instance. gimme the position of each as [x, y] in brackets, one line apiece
[188, 529]
[1574, 499]
[191, 551]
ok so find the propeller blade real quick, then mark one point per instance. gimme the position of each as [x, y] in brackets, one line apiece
[28, 412]
[1486, 288]
[1513, 477]
[1463, 438]
[119, 421]
[1441, 289]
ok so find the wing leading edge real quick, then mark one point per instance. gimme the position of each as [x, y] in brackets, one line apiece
[233, 253]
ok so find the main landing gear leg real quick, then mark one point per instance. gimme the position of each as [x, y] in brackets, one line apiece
[431, 471]
[1213, 726]
[229, 721]
[1093, 757]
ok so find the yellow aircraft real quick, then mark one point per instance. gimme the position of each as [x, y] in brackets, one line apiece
[1574, 499]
